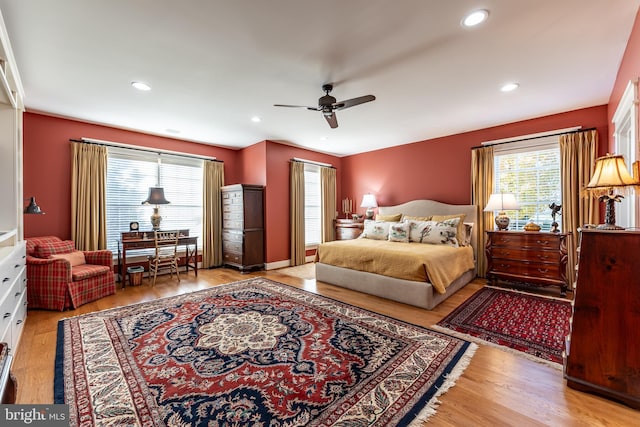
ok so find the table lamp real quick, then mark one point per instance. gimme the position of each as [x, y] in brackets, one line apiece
[156, 197]
[610, 174]
[369, 202]
[33, 207]
[502, 202]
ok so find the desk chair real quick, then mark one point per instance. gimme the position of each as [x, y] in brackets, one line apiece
[166, 253]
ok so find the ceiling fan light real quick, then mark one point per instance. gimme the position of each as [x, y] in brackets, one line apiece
[476, 17]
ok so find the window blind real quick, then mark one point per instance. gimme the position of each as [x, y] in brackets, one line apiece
[130, 173]
[312, 205]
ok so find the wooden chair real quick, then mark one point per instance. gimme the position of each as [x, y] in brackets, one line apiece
[166, 253]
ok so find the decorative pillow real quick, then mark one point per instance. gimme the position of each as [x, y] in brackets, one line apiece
[389, 218]
[399, 232]
[376, 230]
[416, 218]
[468, 227]
[433, 232]
[460, 229]
[45, 250]
[75, 257]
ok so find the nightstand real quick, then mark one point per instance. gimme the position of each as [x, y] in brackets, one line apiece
[347, 229]
[533, 257]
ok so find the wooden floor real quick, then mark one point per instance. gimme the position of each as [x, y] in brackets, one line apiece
[497, 389]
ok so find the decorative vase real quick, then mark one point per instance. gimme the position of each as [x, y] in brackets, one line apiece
[155, 219]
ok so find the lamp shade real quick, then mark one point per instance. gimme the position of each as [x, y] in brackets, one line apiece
[369, 201]
[610, 172]
[156, 197]
[502, 202]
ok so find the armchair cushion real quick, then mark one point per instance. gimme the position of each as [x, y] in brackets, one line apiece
[75, 258]
[86, 271]
[46, 249]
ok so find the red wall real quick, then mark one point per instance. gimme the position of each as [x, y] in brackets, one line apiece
[252, 162]
[47, 165]
[629, 70]
[440, 168]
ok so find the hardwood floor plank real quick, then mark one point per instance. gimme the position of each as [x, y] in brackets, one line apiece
[497, 389]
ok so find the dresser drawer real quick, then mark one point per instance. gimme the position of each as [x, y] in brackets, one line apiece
[232, 258]
[533, 240]
[525, 254]
[527, 269]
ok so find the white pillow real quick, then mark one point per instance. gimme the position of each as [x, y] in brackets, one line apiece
[399, 232]
[376, 230]
[434, 232]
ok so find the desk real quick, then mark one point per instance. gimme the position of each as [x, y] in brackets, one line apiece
[132, 241]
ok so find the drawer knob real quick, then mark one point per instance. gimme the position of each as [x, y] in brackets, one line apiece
[17, 266]
[543, 256]
[543, 270]
[6, 279]
[6, 315]
[18, 322]
[17, 294]
[543, 242]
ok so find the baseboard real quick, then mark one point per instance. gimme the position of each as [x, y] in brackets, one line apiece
[285, 263]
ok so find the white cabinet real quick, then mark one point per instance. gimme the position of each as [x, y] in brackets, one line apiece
[13, 275]
[13, 290]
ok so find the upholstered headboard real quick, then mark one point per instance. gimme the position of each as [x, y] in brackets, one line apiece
[431, 207]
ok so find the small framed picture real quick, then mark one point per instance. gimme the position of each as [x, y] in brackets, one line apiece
[134, 226]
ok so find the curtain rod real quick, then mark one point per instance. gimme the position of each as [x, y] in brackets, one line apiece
[533, 137]
[137, 147]
[327, 165]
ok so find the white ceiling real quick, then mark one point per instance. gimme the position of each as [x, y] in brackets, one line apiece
[213, 64]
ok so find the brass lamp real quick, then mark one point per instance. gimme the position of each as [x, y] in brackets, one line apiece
[610, 174]
[502, 202]
[156, 197]
[369, 202]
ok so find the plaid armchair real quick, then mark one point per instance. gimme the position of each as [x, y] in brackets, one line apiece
[59, 277]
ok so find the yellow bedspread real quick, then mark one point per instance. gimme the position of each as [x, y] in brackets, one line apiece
[438, 264]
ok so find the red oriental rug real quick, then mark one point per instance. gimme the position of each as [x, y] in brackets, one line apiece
[254, 352]
[533, 325]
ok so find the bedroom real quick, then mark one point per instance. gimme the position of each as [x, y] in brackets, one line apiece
[47, 164]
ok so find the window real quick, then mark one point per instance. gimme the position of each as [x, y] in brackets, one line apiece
[312, 205]
[531, 170]
[131, 172]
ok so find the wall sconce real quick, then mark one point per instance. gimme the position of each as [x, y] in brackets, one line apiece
[502, 202]
[32, 207]
[156, 197]
[369, 202]
[610, 174]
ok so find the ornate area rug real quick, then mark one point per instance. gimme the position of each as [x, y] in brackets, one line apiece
[256, 353]
[533, 325]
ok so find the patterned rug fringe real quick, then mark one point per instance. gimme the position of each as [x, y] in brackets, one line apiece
[498, 346]
[431, 407]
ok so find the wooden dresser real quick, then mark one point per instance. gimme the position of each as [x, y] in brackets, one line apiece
[536, 258]
[602, 354]
[347, 229]
[243, 226]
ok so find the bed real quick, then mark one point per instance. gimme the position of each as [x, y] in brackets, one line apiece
[409, 288]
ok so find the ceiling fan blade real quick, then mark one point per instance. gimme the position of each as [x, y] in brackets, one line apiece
[332, 120]
[294, 106]
[353, 101]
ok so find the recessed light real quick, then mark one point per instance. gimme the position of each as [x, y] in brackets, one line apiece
[172, 131]
[510, 87]
[475, 18]
[141, 86]
[323, 138]
[256, 119]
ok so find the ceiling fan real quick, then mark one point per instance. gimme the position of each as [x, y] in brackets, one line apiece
[328, 105]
